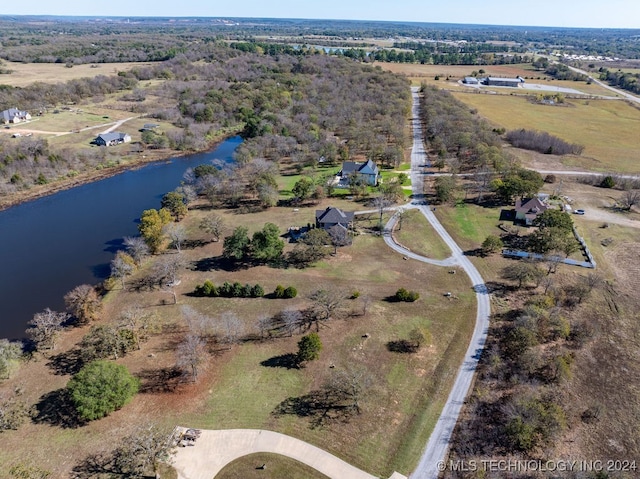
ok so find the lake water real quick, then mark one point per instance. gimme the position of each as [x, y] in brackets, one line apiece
[50, 245]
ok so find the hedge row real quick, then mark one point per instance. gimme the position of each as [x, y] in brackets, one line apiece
[228, 290]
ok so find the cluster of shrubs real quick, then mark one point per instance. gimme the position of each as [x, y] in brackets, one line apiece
[542, 142]
[228, 290]
[285, 293]
[406, 296]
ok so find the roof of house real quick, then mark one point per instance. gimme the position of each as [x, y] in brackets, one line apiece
[530, 206]
[366, 168]
[470, 80]
[506, 80]
[8, 115]
[334, 215]
[107, 137]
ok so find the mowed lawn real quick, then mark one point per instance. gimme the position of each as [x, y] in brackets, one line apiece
[406, 391]
[608, 129]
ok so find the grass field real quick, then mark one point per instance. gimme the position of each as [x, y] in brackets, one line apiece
[418, 236]
[242, 386]
[276, 467]
[24, 74]
[608, 129]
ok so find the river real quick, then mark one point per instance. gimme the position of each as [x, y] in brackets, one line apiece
[50, 245]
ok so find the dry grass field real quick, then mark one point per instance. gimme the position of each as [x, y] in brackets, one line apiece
[608, 129]
[242, 386]
[24, 74]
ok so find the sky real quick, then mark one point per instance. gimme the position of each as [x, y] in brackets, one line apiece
[561, 13]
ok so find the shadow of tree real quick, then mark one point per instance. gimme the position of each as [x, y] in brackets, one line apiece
[321, 406]
[56, 408]
[402, 346]
[288, 361]
[217, 263]
[68, 362]
[94, 466]
[163, 380]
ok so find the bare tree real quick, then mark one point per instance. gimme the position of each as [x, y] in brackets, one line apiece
[265, 323]
[136, 247]
[83, 303]
[348, 386]
[139, 322]
[191, 353]
[401, 214]
[291, 320]
[141, 453]
[326, 303]
[165, 273]
[231, 328]
[197, 322]
[629, 199]
[122, 266]
[45, 327]
[177, 234]
[381, 203]
[213, 225]
[339, 237]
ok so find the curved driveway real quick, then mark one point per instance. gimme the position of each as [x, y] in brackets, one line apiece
[215, 449]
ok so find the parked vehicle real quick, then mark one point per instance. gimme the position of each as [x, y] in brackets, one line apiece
[578, 212]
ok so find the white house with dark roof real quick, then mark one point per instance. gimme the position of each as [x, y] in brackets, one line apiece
[330, 217]
[111, 139]
[13, 115]
[367, 170]
[528, 210]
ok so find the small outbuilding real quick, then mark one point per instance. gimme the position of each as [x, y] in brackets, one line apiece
[470, 81]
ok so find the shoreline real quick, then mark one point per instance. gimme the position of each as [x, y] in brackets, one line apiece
[37, 192]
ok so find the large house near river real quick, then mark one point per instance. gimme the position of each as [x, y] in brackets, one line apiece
[13, 115]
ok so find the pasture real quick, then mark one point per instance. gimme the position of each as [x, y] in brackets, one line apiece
[23, 74]
[608, 129]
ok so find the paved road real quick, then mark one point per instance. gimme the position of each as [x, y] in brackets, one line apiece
[213, 450]
[438, 444]
[626, 95]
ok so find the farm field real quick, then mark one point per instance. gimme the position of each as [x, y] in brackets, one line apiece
[606, 128]
[24, 74]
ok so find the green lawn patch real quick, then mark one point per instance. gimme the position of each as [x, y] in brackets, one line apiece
[418, 236]
[276, 467]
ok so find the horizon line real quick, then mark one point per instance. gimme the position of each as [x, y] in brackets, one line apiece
[413, 22]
